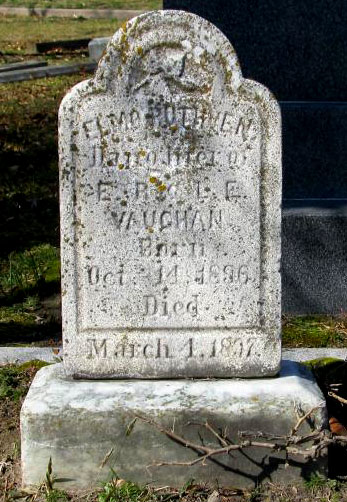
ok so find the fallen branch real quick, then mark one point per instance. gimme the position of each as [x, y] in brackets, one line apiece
[322, 439]
[339, 398]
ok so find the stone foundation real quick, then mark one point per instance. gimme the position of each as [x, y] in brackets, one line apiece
[79, 422]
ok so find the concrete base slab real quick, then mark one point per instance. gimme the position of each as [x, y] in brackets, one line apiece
[82, 426]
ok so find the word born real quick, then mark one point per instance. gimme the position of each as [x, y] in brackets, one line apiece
[227, 347]
[148, 247]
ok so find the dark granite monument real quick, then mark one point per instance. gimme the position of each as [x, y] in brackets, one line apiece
[299, 51]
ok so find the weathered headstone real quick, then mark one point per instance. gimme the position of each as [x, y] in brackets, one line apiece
[170, 209]
[170, 176]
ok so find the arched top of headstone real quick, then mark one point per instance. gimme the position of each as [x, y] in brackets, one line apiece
[170, 169]
[174, 49]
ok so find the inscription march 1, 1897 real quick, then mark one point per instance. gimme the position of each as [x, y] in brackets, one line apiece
[170, 167]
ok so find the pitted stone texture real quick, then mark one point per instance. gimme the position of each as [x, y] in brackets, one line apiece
[170, 167]
[79, 422]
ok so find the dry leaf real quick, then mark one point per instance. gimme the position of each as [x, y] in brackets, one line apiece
[336, 427]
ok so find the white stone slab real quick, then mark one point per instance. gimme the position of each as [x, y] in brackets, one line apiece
[170, 167]
[19, 355]
[77, 423]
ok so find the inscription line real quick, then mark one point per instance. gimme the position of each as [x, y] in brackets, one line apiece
[176, 328]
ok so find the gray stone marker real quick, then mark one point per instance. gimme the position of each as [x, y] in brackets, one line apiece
[22, 65]
[96, 48]
[170, 169]
[80, 423]
[170, 211]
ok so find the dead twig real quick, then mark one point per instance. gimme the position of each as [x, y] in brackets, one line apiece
[305, 417]
[285, 439]
[339, 398]
[221, 439]
[322, 439]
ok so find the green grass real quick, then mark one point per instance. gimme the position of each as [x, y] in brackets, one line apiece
[25, 278]
[22, 313]
[87, 4]
[314, 331]
[18, 35]
[15, 380]
[56, 496]
[329, 371]
[29, 207]
[29, 162]
[27, 270]
[27, 322]
[124, 491]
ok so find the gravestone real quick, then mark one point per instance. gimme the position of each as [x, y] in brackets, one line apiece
[287, 47]
[299, 51]
[170, 218]
[170, 210]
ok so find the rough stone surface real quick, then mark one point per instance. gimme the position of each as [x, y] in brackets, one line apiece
[297, 49]
[96, 48]
[170, 165]
[314, 144]
[80, 422]
[314, 257]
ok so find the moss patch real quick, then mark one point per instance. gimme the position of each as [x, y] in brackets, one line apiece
[314, 331]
